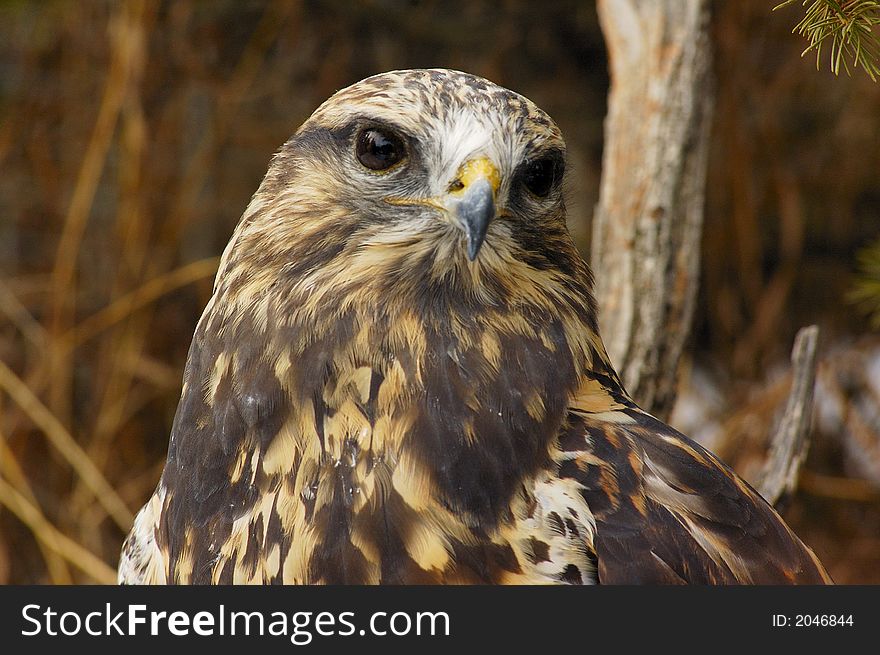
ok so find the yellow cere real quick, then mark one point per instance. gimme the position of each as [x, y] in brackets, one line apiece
[476, 169]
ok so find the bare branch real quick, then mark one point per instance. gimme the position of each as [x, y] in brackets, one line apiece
[789, 446]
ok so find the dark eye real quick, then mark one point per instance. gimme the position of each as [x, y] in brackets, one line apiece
[540, 175]
[379, 149]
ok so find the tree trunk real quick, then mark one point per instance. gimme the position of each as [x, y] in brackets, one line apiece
[647, 225]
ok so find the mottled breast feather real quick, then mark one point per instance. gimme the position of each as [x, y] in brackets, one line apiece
[366, 402]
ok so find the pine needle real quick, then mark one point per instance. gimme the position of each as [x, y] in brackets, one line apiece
[866, 292]
[846, 27]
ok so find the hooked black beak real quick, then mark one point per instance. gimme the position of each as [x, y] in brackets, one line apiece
[473, 196]
[476, 209]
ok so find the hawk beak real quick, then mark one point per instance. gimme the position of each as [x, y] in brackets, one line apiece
[474, 206]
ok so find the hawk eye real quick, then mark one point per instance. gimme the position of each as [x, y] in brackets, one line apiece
[540, 175]
[379, 149]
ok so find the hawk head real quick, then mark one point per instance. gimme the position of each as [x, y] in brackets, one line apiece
[422, 184]
[443, 160]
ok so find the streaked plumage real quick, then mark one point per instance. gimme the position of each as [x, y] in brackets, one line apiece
[399, 379]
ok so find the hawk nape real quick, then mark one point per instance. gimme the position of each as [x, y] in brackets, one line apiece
[399, 379]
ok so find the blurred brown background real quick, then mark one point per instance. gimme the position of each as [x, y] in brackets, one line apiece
[132, 135]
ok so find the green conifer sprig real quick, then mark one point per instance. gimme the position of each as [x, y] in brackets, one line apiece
[848, 26]
[866, 291]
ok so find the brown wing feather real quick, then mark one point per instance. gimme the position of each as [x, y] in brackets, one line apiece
[669, 512]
